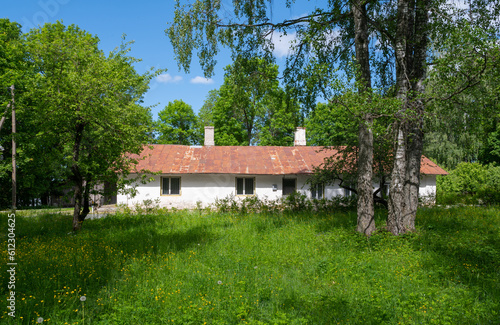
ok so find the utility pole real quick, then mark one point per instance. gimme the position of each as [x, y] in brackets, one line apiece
[14, 179]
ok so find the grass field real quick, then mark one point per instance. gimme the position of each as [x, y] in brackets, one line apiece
[196, 268]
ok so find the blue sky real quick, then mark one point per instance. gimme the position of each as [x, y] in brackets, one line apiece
[143, 22]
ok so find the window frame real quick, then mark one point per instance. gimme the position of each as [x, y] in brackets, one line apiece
[162, 178]
[283, 185]
[314, 191]
[347, 192]
[244, 186]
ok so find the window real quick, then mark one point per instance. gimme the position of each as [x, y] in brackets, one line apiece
[245, 185]
[317, 191]
[170, 186]
[348, 192]
[289, 185]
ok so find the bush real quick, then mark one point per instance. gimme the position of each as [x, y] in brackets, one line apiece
[470, 183]
[294, 202]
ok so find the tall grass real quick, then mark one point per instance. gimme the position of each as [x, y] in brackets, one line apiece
[195, 268]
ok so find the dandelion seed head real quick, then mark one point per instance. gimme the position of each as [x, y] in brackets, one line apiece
[39, 320]
[83, 298]
[219, 282]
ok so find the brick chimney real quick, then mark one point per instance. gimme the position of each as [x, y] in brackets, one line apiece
[300, 137]
[209, 136]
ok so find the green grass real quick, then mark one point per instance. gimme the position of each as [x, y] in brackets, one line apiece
[191, 268]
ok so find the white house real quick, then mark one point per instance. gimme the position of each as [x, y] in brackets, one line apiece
[191, 174]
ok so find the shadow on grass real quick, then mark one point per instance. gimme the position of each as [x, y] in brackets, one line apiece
[52, 258]
[464, 246]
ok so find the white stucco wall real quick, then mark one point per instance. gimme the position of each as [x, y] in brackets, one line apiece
[206, 188]
[427, 186]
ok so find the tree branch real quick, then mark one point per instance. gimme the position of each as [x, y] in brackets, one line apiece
[3, 116]
[288, 22]
[470, 82]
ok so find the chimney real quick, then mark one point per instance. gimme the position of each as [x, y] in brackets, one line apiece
[300, 137]
[209, 136]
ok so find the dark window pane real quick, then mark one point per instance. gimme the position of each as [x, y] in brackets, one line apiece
[165, 187]
[175, 184]
[239, 186]
[249, 186]
[320, 191]
[288, 186]
[313, 192]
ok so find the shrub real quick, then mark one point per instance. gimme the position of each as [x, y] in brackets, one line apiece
[470, 183]
[295, 202]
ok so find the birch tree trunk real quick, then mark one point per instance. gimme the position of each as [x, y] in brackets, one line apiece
[396, 188]
[365, 206]
[411, 48]
[416, 136]
[366, 212]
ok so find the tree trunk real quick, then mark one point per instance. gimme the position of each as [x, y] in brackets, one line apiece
[412, 181]
[365, 207]
[411, 51]
[77, 197]
[77, 178]
[416, 136]
[86, 205]
[396, 189]
[366, 219]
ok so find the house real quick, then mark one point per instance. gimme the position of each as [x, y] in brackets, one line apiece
[188, 175]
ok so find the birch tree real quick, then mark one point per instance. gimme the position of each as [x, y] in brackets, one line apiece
[387, 43]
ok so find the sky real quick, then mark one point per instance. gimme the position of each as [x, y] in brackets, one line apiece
[144, 22]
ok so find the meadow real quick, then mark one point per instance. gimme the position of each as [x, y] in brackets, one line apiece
[204, 267]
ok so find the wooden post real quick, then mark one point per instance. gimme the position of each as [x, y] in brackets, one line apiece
[14, 178]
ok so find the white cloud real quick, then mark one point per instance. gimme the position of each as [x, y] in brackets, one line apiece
[167, 78]
[459, 4]
[201, 80]
[283, 43]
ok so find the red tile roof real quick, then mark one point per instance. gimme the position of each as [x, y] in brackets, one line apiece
[252, 160]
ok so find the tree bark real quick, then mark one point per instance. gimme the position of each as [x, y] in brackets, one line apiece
[77, 178]
[86, 204]
[396, 188]
[365, 206]
[366, 211]
[411, 50]
[77, 197]
[416, 136]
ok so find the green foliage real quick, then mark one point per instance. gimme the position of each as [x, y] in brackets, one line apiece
[177, 124]
[15, 72]
[470, 183]
[11, 58]
[331, 125]
[462, 122]
[250, 108]
[490, 151]
[295, 202]
[205, 115]
[336, 124]
[83, 111]
[294, 268]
